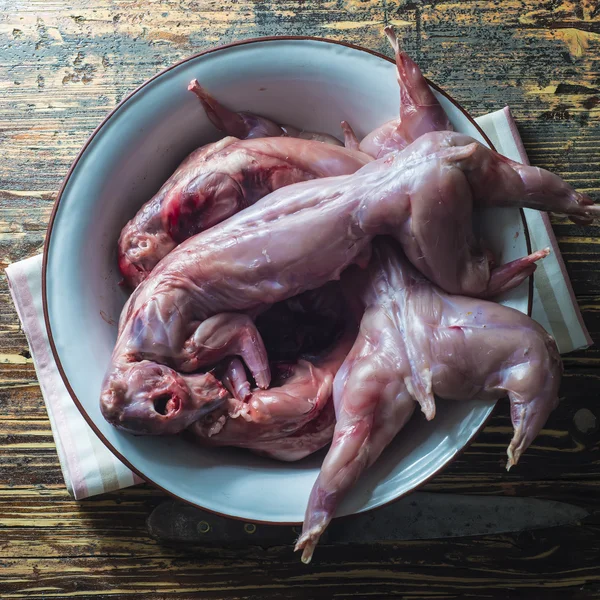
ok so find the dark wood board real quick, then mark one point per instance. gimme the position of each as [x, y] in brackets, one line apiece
[64, 65]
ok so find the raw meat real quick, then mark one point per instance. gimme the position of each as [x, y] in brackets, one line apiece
[415, 342]
[285, 419]
[196, 308]
[314, 436]
[288, 421]
[449, 175]
[420, 111]
[215, 182]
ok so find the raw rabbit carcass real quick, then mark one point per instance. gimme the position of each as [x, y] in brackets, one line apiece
[215, 182]
[446, 175]
[417, 342]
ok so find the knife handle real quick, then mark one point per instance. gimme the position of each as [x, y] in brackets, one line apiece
[175, 522]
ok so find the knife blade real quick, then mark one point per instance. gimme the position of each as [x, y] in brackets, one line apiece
[420, 516]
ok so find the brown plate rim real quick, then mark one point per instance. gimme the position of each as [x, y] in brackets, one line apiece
[55, 210]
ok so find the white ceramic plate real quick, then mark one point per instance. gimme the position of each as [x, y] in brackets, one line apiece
[305, 82]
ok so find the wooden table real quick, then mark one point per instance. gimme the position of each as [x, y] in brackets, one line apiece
[64, 65]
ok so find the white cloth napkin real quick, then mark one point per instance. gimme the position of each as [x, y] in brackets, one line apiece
[554, 303]
[89, 468]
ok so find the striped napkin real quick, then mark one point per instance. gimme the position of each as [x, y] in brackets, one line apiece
[89, 468]
[554, 303]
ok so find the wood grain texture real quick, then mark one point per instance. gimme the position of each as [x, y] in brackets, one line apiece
[64, 65]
